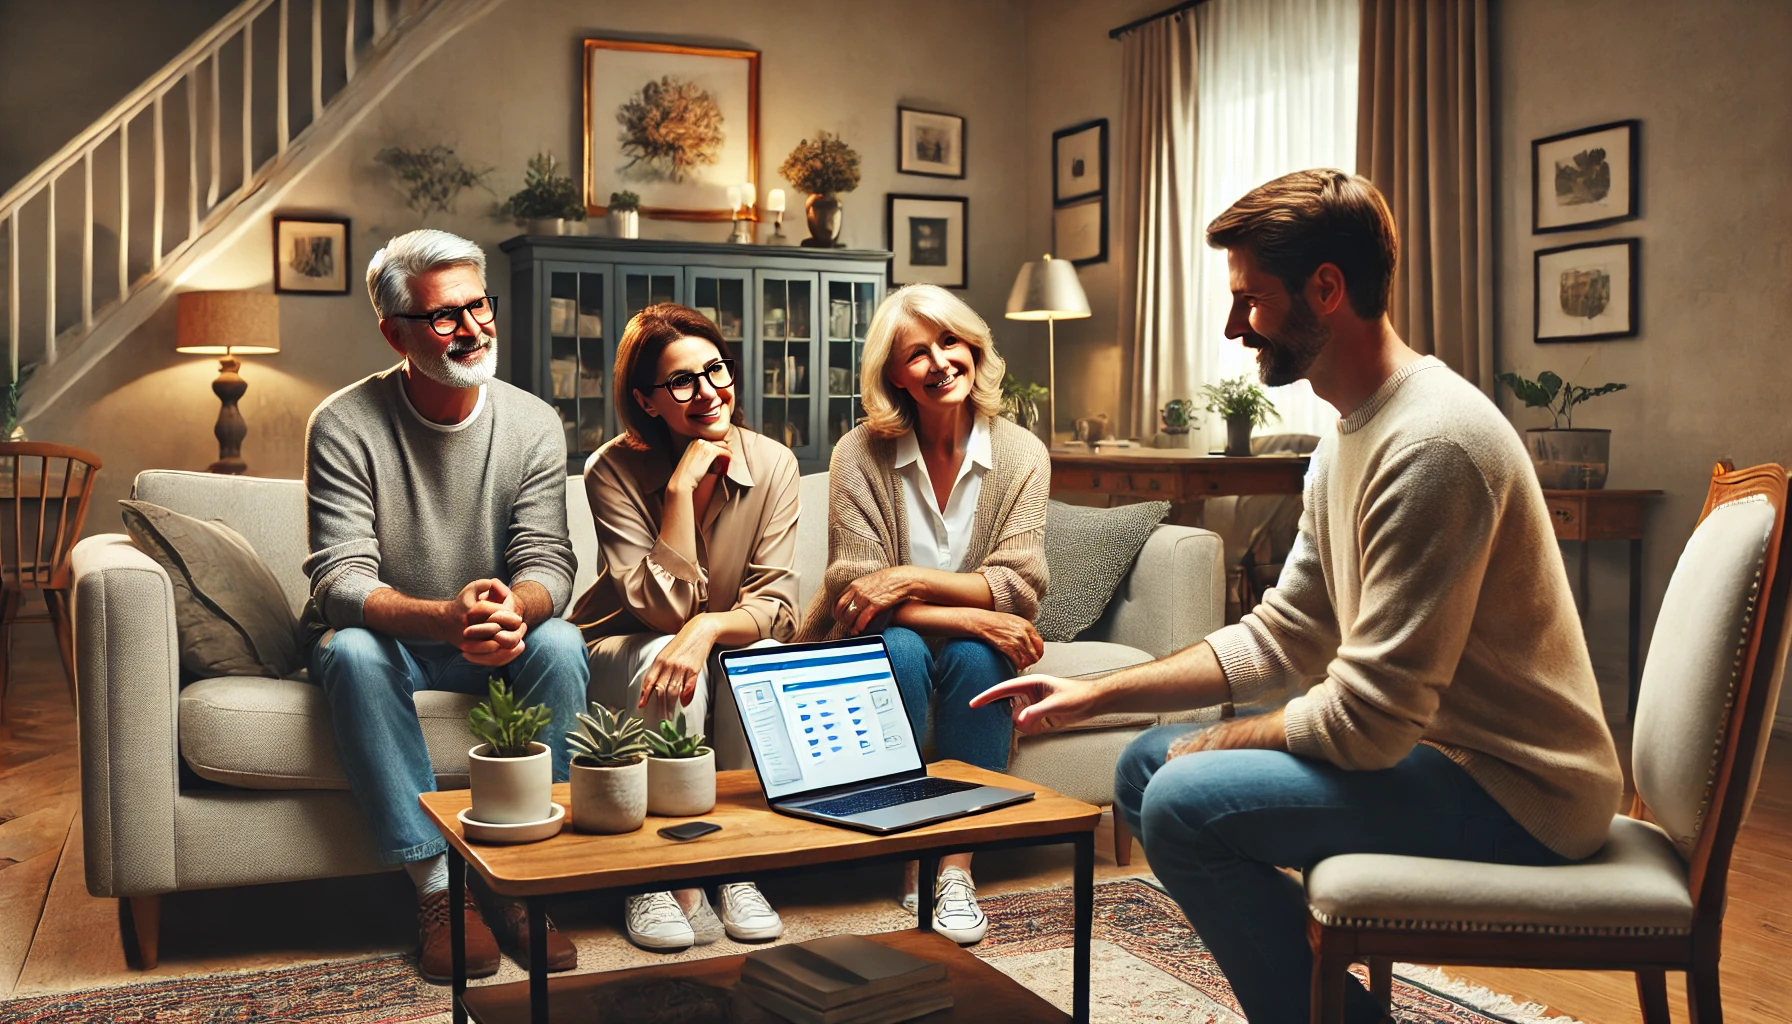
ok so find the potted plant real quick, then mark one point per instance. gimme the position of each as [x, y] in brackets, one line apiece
[431, 177]
[512, 776]
[823, 169]
[1020, 402]
[9, 404]
[609, 772]
[625, 215]
[1565, 456]
[1243, 404]
[1176, 417]
[547, 199]
[681, 771]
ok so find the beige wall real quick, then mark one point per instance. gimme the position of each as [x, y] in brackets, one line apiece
[1707, 374]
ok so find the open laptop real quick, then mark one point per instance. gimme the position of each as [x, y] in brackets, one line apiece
[831, 739]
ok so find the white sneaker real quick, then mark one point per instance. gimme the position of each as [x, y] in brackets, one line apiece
[955, 911]
[657, 922]
[746, 915]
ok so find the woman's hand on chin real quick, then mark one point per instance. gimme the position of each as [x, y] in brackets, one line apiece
[868, 596]
[1014, 636]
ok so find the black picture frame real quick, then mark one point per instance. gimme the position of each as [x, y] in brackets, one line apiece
[288, 276]
[1063, 210]
[902, 247]
[1632, 292]
[1100, 127]
[1632, 184]
[904, 165]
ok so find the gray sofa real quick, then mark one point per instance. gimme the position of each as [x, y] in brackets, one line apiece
[262, 797]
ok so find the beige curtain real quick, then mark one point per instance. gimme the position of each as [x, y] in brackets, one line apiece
[1424, 139]
[1160, 239]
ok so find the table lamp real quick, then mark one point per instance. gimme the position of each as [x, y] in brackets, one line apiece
[228, 324]
[1048, 290]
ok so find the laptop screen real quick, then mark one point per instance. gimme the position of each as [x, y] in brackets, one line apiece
[822, 715]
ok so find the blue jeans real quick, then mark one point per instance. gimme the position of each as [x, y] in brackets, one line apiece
[960, 670]
[1216, 825]
[368, 679]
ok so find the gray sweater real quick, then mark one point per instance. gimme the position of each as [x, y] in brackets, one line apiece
[393, 500]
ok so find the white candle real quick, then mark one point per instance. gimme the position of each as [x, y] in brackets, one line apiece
[749, 194]
[734, 197]
[774, 201]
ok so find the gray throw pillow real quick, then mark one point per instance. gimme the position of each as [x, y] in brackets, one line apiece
[229, 610]
[1087, 552]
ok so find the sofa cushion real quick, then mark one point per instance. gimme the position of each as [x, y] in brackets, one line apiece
[229, 610]
[270, 513]
[258, 733]
[1087, 552]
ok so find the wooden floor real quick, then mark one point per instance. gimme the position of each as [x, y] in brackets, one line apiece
[54, 937]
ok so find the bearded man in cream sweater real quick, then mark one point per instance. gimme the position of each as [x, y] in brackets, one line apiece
[1447, 704]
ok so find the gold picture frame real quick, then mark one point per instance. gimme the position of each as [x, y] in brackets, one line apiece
[695, 187]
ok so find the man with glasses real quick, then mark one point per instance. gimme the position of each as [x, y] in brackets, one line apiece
[436, 505]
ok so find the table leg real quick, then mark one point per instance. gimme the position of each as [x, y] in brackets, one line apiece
[1083, 926]
[1636, 620]
[457, 930]
[1586, 585]
[924, 881]
[538, 962]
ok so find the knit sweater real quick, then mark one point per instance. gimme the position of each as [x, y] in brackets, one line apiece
[1426, 602]
[868, 522]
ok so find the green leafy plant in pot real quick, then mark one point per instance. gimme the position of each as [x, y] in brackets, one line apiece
[1243, 404]
[609, 771]
[511, 775]
[681, 771]
[625, 215]
[1566, 457]
[1020, 402]
[547, 200]
[1177, 416]
[824, 169]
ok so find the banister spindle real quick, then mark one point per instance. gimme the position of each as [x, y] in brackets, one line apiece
[381, 24]
[12, 290]
[282, 120]
[248, 103]
[87, 239]
[50, 274]
[192, 152]
[124, 210]
[161, 172]
[317, 59]
[217, 111]
[348, 45]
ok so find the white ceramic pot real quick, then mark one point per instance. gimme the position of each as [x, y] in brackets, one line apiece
[679, 787]
[511, 790]
[625, 223]
[609, 800]
[547, 226]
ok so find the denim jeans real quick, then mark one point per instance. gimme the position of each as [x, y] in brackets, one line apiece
[1216, 825]
[368, 679]
[960, 669]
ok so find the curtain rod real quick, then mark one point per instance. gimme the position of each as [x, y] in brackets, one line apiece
[1147, 19]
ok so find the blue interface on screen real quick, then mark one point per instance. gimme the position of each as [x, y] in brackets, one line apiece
[822, 718]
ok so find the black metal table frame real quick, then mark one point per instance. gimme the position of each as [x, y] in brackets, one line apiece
[1082, 909]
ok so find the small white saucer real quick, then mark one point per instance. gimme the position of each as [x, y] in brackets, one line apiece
[522, 832]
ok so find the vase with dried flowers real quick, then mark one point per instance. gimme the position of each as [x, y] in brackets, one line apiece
[823, 168]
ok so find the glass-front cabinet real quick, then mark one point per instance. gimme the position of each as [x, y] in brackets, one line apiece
[794, 319]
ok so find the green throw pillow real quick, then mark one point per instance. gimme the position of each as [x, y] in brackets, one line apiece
[229, 610]
[1087, 552]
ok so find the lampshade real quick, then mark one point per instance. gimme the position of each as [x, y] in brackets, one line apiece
[228, 323]
[1047, 289]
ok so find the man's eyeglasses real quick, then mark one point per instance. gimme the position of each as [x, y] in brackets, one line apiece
[683, 386]
[446, 321]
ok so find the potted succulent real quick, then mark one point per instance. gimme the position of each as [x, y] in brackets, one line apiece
[1565, 456]
[609, 772]
[625, 215]
[512, 776]
[823, 169]
[1176, 417]
[681, 771]
[547, 200]
[1243, 404]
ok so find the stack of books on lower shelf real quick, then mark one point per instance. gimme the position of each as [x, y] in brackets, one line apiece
[843, 979]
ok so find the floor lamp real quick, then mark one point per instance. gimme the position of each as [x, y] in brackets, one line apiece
[228, 324]
[1048, 290]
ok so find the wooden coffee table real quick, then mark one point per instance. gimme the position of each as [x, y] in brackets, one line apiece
[755, 844]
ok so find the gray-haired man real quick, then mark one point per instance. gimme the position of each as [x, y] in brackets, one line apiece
[436, 500]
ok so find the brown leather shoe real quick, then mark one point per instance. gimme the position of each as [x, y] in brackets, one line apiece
[562, 954]
[435, 958]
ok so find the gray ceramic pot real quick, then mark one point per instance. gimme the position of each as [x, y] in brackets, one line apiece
[609, 800]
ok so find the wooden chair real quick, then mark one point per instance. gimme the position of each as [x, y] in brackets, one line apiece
[1652, 900]
[44, 490]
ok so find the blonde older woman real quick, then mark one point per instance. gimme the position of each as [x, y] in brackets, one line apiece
[936, 539]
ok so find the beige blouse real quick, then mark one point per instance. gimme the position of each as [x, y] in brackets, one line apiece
[746, 543]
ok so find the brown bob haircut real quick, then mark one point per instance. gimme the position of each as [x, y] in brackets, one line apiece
[638, 363]
[1301, 220]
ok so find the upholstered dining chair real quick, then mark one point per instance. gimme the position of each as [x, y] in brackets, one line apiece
[43, 505]
[1652, 900]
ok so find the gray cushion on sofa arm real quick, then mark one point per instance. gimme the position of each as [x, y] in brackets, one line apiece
[126, 657]
[1174, 596]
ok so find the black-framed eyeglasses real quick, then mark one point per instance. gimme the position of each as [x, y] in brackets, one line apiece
[683, 386]
[446, 321]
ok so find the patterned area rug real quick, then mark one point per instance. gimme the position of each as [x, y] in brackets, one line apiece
[1148, 965]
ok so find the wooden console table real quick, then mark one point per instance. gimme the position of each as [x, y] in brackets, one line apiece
[1175, 475]
[1587, 516]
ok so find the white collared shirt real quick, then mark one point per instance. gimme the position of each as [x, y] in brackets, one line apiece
[938, 540]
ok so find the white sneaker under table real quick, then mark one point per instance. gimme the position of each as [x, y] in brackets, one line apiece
[746, 914]
[955, 911]
[656, 922]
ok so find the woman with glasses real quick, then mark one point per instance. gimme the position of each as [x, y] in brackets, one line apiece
[696, 519]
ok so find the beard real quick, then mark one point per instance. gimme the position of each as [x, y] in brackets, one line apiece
[1286, 357]
[444, 370]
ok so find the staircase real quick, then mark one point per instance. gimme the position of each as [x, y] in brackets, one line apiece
[100, 235]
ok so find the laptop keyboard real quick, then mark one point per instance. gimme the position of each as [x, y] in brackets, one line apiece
[889, 796]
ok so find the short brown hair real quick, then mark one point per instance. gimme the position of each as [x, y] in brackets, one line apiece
[638, 361]
[1301, 220]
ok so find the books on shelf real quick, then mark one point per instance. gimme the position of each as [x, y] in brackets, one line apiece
[844, 979]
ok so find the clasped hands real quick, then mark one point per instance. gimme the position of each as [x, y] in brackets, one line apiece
[485, 623]
[869, 596]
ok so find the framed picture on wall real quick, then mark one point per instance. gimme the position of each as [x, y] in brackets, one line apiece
[1080, 161]
[311, 255]
[1080, 231]
[677, 125]
[927, 234]
[1587, 292]
[930, 143]
[1585, 178]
